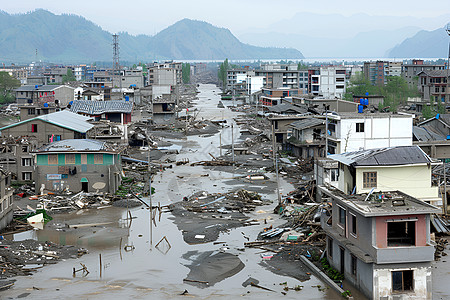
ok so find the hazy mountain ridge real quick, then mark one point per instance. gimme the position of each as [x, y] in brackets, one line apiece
[426, 44]
[72, 38]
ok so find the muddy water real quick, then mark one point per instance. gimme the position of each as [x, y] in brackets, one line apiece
[150, 272]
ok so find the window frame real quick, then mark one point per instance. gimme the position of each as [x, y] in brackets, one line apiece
[34, 127]
[360, 127]
[353, 265]
[402, 290]
[97, 160]
[53, 161]
[27, 173]
[26, 159]
[367, 176]
[340, 223]
[72, 159]
[353, 229]
[330, 247]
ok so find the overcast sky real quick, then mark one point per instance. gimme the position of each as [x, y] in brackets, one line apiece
[149, 16]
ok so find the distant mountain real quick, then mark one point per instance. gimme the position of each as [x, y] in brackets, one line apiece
[425, 44]
[71, 38]
[335, 35]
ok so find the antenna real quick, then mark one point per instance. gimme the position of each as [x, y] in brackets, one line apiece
[116, 62]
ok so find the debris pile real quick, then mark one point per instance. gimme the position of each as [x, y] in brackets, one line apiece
[19, 258]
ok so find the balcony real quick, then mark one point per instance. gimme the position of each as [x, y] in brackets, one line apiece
[409, 254]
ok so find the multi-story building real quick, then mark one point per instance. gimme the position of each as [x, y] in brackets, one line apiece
[6, 199]
[377, 72]
[78, 165]
[434, 84]
[380, 242]
[15, 157]
[361, 131]
[163, 100]
[232, 76]
[132, 78]
[80, 72]
[42, 99]
[410, 71]
[332, 82]
[277, 76]
[162, 76]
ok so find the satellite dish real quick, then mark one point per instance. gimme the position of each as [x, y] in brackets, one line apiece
[99, 185]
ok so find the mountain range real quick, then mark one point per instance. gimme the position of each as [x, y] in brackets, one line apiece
[338, 36]
[68, 38]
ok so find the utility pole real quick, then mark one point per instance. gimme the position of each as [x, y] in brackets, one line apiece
[326, 130]
[150, 194]
[445, 204]
[275, 163]
[116, 62]
[232, 140]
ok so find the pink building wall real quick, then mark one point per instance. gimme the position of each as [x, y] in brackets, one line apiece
[381, 229]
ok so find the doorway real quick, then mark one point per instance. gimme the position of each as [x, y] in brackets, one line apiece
[342, 260]
[84, 185]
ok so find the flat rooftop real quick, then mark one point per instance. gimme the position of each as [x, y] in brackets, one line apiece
[381, 203]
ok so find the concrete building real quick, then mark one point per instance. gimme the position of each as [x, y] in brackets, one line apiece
[306, 137]
[410, 71]
[433, 84]
[78, 165]
[6, 199]
[232, 76]
[432, 136]
[406, 169]
[163, 100]
[332, 82]
[61, 125]
[380, 243]
[42, 99]
[360, 131]
[279, 76]
[377, 72]
[16, 157]
[132, 78]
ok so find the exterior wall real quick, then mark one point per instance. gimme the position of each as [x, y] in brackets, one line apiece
[64, 94]
[60, 178]
[44, 129]
[6, 201]
[383, 282]
[345, 179]
[378, 132]
[421, 229]
[414, 180]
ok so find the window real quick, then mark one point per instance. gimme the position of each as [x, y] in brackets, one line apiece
[353, 218]
[342, 216]
[33, 127]
[26, 162]
[70, 159]
[31, 111]
[401, 233]
[24, 148]
[369, 180]
[26, 175]
[340, 87]
[359, 127]
[52, 159]
[330, 247]
[83, 159]
[98, 159]
[334, 174]
[402, 280]
[353, 263]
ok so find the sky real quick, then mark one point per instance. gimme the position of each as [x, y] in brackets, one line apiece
[150, 17]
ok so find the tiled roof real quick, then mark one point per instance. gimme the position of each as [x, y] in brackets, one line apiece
[92, 107]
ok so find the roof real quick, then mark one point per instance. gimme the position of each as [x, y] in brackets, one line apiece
[443, 118]
[426, 133]
[393, 156]
[435, 73]
[41, 88]
[92, 107]
[284, 107]
[368, 114]
[64, 118]
[307, 123]
[75, 145]
[381, 203]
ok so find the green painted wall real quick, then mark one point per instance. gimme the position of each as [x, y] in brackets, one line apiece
[42, 159]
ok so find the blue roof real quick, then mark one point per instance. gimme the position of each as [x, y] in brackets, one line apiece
[64, 118]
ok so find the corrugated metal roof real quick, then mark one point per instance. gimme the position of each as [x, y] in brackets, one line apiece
[403, 155]
[426, 133]
[92, 107]
[64, 118]
[75, 145]
[307, 123]
[41, 88]
[284, 107]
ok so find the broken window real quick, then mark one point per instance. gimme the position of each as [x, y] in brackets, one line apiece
[353, 263]
[26, 175]
[369, 180]
[359, 127]
[334, 174]
[26, 162]
[353, 217]
[342, 215]
[330, 247]
[98, 159]
[70, 159]
[401, 233]
[52, 159]
[402, 280]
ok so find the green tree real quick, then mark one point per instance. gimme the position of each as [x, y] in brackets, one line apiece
[186, 73]
[7, 86]
[69, 76]
[222, 73]
[302, 66]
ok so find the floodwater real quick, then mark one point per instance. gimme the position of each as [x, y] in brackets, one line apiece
[146, 271]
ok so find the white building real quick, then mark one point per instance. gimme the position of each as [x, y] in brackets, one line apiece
[353, 132]
[253, 83]
[332, 82]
